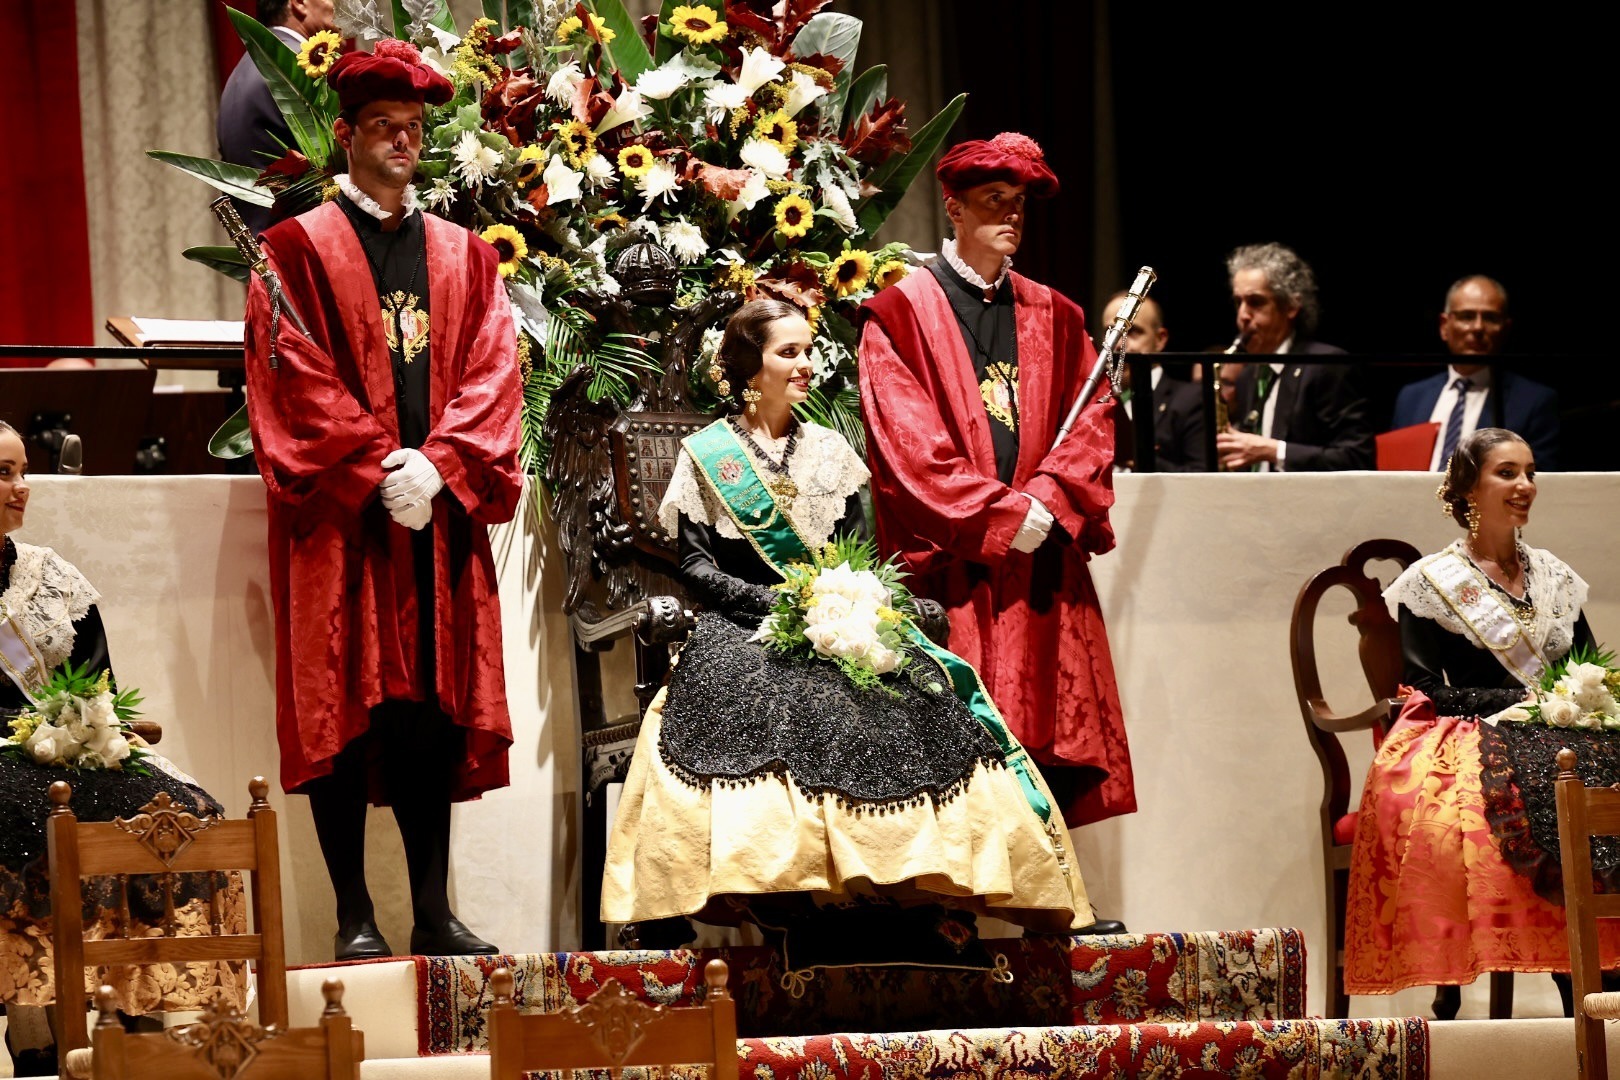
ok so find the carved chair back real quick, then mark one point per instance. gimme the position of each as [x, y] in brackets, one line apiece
[614, 1030]
[164, 840]
[1379, 652]
[1585, 812]
[226, 1045]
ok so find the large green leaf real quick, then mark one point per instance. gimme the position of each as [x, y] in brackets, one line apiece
[232, 440]
[496, 9]
[442, 18]
[831, 34]
[894, 176]
[866, 91]
[627, 54]
[237, 181]
[224, 258]
[308, 105]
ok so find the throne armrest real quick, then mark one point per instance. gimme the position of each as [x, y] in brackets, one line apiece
[657, 620]
[932, 620]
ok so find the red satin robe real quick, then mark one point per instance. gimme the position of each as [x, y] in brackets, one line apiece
[1031, 624]
[340, 568]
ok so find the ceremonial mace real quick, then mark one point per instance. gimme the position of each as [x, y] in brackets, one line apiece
[249, 248]
[1110, 356]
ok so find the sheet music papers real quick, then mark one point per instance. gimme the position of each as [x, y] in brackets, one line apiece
[187, 331]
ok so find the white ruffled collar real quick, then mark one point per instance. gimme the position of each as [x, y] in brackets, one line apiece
[369, 205]
[947, 251]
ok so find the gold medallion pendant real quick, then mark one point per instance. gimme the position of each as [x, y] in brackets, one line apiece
[784, 489]
[405, 326]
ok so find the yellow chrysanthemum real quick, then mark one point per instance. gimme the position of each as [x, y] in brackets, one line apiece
[739, 117]
[699, 23]
[782, 187]
[525, 357]
[850, 272]
[776, 128]
[572, 25]
[793, 216]
[319, 53]
[889, 273]
[508, 244]
[531, 161]
[577, 141]
[330, 192]
[635, 160]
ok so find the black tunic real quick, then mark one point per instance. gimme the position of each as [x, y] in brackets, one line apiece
[990, 333]
[1462, 678]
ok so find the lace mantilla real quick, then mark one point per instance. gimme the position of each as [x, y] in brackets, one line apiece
[47, 594]
[824, 466]
[1557, 593]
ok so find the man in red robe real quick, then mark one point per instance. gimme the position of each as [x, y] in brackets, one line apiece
[966, 370]
[388, 440]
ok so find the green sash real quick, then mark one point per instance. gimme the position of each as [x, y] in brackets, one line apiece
[726, 464]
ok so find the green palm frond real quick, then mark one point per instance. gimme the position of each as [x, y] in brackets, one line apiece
[837, 407]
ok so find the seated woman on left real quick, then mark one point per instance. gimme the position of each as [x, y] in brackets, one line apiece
[48, 617]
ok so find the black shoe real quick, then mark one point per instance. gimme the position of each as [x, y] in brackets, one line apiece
[35, 1062]
[361, 942]
[1103, 926]
[450, 938]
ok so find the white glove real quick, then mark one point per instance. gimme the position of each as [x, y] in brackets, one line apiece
[417, 515]
[414, 479]
[1037, 523]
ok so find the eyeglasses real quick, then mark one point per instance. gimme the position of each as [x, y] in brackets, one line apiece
[1488, 318]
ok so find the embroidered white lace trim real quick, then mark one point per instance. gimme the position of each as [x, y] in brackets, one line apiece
[47, 593]
[947, 251]
[1557, 593]
[370, 205]
[824, 466]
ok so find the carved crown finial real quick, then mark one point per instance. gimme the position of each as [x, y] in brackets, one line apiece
[61, 794]
[1566, 763]
[332, 991]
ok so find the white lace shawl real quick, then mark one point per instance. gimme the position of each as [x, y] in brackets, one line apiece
[47, 593]
[824, 466]
[1557, 593]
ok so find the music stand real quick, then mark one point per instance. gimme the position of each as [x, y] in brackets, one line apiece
[108, 407]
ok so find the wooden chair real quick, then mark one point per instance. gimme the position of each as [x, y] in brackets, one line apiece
[1583, 813]
[1379, 651]
[614, 1030]
[226, 1045]
[163, 840]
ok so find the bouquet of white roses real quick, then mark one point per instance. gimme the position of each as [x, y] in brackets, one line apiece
[77, 722]
[1577, 691]
[846, 607]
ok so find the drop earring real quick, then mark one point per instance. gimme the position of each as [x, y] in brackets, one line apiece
[752, 396]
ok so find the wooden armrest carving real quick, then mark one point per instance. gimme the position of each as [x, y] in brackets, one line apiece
[149, 730]
[659, 620]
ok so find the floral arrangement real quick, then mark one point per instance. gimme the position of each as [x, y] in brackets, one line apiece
[736, 136]
[1578, 691]
[847, 607]
[77, 722]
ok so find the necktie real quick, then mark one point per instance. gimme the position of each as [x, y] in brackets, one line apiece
[1454, 423]
[1262, 384]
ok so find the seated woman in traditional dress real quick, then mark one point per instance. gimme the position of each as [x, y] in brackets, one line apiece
[863, 825]
[1455, 868]
[48, 616]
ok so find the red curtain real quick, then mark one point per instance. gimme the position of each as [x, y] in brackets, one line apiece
[44, 228]
[227, 45]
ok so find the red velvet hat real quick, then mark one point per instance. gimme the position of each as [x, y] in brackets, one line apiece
[394, 72]
[1009, 156]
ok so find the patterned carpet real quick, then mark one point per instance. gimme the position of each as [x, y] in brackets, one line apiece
[1128, 979]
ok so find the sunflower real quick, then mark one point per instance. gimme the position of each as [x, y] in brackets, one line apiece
[572, 25]
[890, 273]
[635, 160]
[699, 23]
[319, 53]
[850, 272]
[578, 142]
[509, 245]
[777, 129]
[793, 216]
[531, 160]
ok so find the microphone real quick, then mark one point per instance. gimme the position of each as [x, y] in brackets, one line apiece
[71, 460]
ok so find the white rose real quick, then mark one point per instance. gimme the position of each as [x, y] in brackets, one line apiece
[857, 642]
[1588, 721]
[830, 607]
[99, 711]
[43, 749]
[825, 638]
[116, 750]
[1516, 713]
[68, 716]
[883, 660]
[1585, 676]
[1560, 711]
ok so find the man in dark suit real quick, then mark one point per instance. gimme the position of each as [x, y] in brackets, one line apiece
[250, 127]
[1474, 327]
[1178, 406]
[1288, 416]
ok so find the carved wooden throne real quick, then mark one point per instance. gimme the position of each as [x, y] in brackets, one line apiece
[608, 470]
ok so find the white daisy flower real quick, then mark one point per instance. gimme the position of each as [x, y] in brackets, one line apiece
[684, 240]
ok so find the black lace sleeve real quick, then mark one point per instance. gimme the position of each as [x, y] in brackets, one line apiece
[712, 586]
[90, 644]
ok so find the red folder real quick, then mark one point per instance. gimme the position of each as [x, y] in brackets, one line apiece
[1409, 448]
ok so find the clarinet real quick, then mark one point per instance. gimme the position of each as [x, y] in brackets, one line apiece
[254, 256]
[1110, 355]
[1223, 421]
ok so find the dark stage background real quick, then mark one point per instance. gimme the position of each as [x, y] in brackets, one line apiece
[1396, 148]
